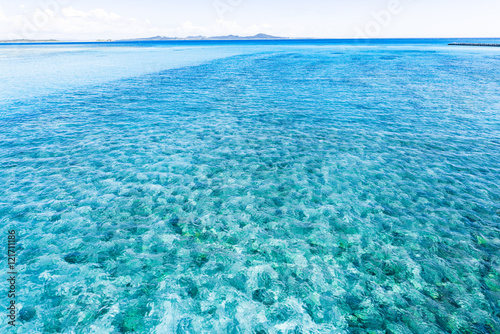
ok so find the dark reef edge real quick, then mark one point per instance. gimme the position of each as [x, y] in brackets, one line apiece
[475, 44]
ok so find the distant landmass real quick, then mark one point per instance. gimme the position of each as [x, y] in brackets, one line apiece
[30, 41]
[201, 38]
[161, 38]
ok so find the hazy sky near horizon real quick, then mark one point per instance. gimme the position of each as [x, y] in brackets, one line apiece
[113, 19]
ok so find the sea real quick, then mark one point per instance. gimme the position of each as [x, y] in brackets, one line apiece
[293, 186]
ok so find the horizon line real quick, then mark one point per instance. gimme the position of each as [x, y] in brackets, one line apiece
[219, 38]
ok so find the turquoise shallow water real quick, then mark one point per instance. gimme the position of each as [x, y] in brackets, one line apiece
[290, 188]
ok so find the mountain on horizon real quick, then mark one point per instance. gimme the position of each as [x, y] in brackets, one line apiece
[228, 37]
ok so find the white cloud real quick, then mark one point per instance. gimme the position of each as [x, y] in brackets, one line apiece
[71, 12]
[58, 20]
[72, 23]
[9, 24]
[97, 23]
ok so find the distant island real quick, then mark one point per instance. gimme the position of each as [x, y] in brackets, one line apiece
[258, 37]
[30, 41]
[159, 38]
[204, 38]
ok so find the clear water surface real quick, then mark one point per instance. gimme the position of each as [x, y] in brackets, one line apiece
[291, 187]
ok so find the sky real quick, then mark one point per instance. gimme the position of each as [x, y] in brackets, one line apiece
[117, 19]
